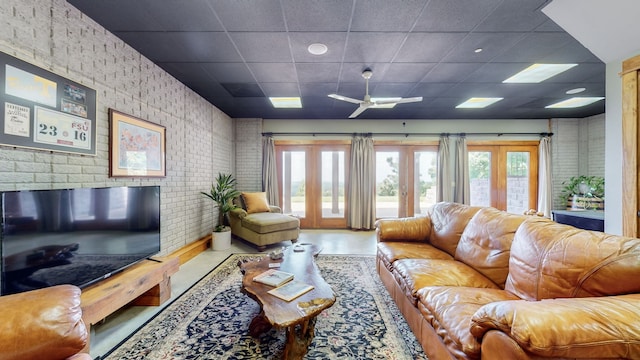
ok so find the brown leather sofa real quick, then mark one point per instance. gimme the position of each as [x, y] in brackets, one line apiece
[478, 283]
[43, 324]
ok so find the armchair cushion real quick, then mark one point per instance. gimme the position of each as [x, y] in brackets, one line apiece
[255, 202]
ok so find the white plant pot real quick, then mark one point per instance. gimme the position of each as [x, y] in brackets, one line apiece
[220, 240]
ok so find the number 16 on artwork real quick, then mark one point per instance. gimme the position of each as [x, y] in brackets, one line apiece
[56, 128]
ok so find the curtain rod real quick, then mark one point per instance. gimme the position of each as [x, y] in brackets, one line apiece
[405, 134]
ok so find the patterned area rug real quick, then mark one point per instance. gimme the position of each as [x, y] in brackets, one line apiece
[211, 320]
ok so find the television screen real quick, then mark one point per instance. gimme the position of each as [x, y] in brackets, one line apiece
[75, 236]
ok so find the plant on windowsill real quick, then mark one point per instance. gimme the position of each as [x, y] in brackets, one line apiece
[584, 193]
[223, 192]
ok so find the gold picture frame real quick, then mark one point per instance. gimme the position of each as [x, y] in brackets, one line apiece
[136, 147]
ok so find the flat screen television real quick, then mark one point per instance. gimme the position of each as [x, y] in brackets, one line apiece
[75, 236]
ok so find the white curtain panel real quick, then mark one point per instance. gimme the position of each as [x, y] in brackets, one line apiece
[270, 171]
[462, 188]
[444, 171]
[362, 187]
[545, 185]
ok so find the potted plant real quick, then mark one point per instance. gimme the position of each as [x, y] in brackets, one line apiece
[584, 193]
[222, 192]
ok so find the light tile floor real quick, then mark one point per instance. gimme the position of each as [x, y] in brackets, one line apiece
[118, 326]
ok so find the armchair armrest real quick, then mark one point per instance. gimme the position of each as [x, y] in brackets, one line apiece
[275, 209]
[594, 327]
[42, 324]
[415, 229]
[237, 213]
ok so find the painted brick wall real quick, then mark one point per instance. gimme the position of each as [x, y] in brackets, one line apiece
[578, 149]
[249, 154]
[199, 143]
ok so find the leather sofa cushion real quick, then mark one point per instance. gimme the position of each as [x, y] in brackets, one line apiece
[449, 311]
[268, 222]
[486, 241]
[414, 274]
[550, 260]
[42, 324]
[448, 221]
[415, 229]
[389, 252]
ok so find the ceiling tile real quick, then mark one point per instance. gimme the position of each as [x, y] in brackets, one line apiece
[386, 15]
[427, 47]
[458, 15]
[313, 15]
[247, 15]
[274, 72]
[262, 46]
[318, 72]
[362, 49]
[515, 15]
[300, 42]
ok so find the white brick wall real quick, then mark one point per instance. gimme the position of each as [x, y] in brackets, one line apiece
[578, 149]
[249, 154]
[55, 36]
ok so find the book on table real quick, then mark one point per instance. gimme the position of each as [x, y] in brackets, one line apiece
[273, 277]
[291, 290]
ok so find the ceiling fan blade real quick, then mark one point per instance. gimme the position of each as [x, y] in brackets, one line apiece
[409, 100]
[344, 98]
[359, 110]
[399, 101]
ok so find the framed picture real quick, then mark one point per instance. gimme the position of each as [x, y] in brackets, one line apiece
[137, 147]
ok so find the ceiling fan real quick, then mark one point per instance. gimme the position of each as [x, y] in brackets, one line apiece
[367, 103]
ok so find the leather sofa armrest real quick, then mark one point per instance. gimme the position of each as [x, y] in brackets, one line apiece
[594, 327]
[415, 229]
[42, 324]
[238, 213]
[275, 209]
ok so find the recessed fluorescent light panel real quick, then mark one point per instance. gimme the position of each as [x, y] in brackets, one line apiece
[574, 102]
[478, 103]
[538, 72]
[286, 102]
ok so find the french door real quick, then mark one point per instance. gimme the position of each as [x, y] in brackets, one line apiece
[405, 179]
[504, 176]
[312, 182]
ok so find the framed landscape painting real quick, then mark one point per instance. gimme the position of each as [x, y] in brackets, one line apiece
[137, 147]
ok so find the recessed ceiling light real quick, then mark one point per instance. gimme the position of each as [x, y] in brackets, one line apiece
[477, 103]
[575, 91]
[318, 49]
[538, 72]
[574, 102]
[478, 50]
[286, 102]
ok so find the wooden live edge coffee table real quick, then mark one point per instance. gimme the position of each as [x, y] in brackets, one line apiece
[297, 316]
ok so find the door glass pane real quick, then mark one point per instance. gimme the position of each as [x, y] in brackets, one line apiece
[387, 184]
[293, 183]
[517, 182]
[424, 182]
[332, 184]
[480, 178]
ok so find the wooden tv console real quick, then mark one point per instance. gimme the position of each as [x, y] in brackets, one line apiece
[147, 283]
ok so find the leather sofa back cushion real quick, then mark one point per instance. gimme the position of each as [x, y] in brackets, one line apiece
[486, 242]
[448, 221]
[550, 260]
[42, 324]
[255, 202]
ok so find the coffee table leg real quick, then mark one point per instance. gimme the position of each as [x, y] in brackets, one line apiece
[259, 325]
[299, 337]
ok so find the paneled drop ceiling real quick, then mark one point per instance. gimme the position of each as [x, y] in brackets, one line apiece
[237, 53]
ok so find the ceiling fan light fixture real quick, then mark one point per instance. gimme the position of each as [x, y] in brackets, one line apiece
[317, 49]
